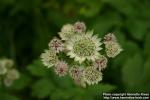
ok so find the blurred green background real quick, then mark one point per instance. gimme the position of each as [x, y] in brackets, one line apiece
[26, 27]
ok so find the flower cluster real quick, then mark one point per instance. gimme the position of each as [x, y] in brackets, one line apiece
[7, 73]
[84, 61]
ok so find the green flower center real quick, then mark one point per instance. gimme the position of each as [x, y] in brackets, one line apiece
[91, 74]
[52, 57]
[84, 47]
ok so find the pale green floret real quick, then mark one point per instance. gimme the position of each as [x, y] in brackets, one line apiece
[49, 58]
[92, 76]
[112, 49]
[3, 68]
[83, 46]
[8, 63]
[66, 32]
[13, 74]
[8, 82]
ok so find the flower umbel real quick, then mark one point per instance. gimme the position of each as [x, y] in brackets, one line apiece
[61, 68]
[3, 68]
[110, 37]
[91, 75]
[84, 46]
[82, 57]
[79, 27]
[76, 72]
[112, 49]
[12, 74]
[49, 58]
[56, 44]
[8, 73]
[66, 32]
[100, 63]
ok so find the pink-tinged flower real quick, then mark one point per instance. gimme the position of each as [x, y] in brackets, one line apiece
[61, 68]
[79, 27]
[56, 44]
[76, 72]
[110, 37]
[100, 63]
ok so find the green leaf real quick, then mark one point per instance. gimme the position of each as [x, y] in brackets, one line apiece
[137, 28]
[97, 90]
[145, 80]
[131, 72]
[42, 88]
[22, 82]
[5, 96]
[61, 94]
[130, 48]
[90, 9]
[147, 45]
[105, 22]
[38, 69]
[123, 6]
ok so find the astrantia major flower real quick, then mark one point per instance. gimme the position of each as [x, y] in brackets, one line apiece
[3, 68]
[56, 44]
[66, 32]
[12, 74]
[100, 63]
[110, 37]
[61, 68]
[8, 63]
[76, 72]
[8, 82]
[92, 76]
[49, 58]
[80, 48]
[112, 49]
[79, 27]
[84, 46]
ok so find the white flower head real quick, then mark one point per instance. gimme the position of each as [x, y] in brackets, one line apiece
[76, 72]
[8, 63]
[110, 37]
[83, 46]
[13, 74]
[79, 27]
[66, 32]
[56, 44]
[8, 82]
[100, 63]
[112, 49]
[3, 69]
[61, 68]
[92, 76]
[49, 58]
